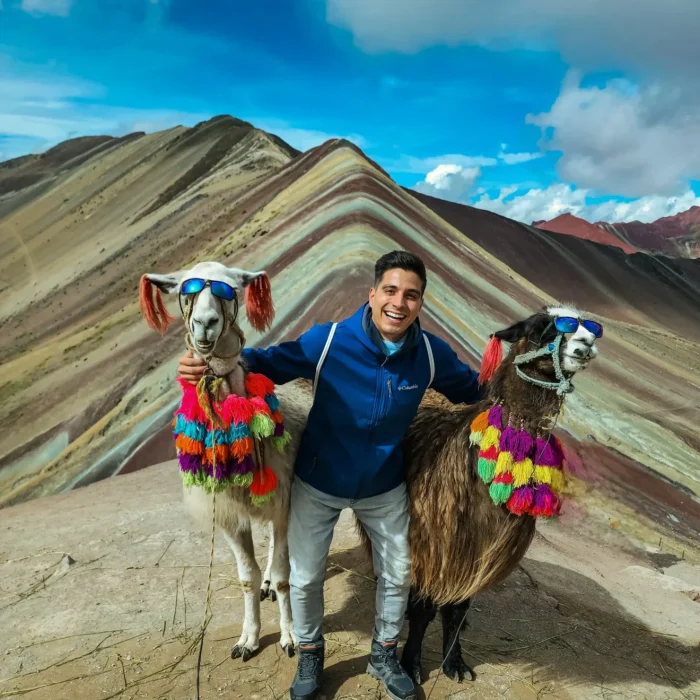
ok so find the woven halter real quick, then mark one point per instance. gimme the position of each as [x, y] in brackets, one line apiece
[562, 385]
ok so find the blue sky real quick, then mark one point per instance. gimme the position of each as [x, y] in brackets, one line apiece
[531, 110]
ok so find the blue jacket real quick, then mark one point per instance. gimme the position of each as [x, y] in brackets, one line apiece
[365, 401]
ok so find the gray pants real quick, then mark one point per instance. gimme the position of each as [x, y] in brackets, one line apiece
[312, 517]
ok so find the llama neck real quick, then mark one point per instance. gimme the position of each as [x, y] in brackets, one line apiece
[525, 405]
[226, 362]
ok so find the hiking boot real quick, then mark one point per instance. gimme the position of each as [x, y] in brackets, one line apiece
[307, 682]
[384, 666]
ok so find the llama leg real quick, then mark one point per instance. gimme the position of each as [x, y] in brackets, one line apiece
[420, 614]
[453, 621]
[241, 542]
[280, 580]
[265, 591]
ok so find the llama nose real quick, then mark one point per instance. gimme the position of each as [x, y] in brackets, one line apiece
[582, 352]
[207, 322]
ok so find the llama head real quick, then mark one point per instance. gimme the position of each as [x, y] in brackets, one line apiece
[576, 350]
[210, 311]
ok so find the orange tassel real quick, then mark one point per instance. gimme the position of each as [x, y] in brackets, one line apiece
[221, 454]
[480, 423]
[154, 311]
[493, 354]
[264, 481]
[242, 447]
[258, 303]
[188, 445]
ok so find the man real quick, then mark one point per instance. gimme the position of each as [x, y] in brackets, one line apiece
[371, 381]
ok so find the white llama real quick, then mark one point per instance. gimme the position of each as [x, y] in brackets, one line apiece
[213, 335]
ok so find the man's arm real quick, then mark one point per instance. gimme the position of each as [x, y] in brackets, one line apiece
[453, 378]
[296, 359]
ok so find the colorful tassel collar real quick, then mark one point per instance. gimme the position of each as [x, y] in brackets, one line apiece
[523, 473]
[217, 459]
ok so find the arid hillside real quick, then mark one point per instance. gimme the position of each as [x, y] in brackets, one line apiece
[87, 389]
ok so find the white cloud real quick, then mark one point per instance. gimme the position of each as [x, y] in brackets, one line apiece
[449, 181]
[421, 166]
[633, 34]
[515, 158]
[623, 140]
[547, 203]
[38, 111]
[58, 8]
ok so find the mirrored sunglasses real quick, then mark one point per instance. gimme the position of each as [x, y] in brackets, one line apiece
[218, 289]
[569, 324]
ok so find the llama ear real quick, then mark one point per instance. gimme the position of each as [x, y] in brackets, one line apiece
[167, 284]
[258, 300]
[151, 302]
[513, 333]
[493, 354]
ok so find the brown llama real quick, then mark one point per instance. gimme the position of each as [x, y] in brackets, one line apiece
[466, 535]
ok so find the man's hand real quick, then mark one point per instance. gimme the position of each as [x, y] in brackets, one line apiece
[191, 369]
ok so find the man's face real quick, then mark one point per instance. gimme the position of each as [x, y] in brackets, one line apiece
[395, 303]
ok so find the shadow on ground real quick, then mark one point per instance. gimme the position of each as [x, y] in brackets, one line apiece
[544, 618]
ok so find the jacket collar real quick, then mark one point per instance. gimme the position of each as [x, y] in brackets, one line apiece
[362, 325]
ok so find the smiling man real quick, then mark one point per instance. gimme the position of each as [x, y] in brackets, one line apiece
[370, 373]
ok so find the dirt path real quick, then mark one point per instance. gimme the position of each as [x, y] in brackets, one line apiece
[588, 615]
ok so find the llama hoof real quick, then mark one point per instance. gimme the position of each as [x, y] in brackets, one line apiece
[289, 650]
[415, 671]
[265, 591]
[457, 670]
[273, 595]
[242, 652]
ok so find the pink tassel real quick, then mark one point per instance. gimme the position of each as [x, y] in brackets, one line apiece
[546, 503]
[260, 406]
[189, 405]
[236, 410]
[520, 501]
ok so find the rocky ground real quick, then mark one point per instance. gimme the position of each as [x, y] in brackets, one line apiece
[103, 590]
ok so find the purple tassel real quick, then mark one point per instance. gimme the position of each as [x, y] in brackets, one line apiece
[245, 466]
[189, 463]
[508, 439]
[520, 501]
[546, 455]
[279, 429]
[546, 503]
[524, 442]
[496, 416]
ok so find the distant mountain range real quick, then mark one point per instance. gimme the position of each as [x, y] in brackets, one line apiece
[673, 236]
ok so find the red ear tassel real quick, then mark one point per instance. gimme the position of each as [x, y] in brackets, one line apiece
[492, 359]
[153, 310]
[258, 303]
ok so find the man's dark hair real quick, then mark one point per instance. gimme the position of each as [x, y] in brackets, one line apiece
[402, 260]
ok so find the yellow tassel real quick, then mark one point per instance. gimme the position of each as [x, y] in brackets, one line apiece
[504, 463]
[492, 438]
[557, 480]
[543, 475]
[522, 472]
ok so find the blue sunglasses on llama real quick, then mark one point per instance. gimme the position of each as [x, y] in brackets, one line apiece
[218, 289]
[569, 324]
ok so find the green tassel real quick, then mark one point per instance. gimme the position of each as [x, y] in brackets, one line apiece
[242, 479]
[475, 438]
[500, 493]
[487, 469]
[262, 426]
[259, 500]
[281, 442]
